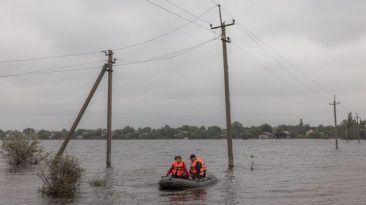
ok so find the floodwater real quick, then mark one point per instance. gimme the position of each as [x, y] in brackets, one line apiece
[285, 172]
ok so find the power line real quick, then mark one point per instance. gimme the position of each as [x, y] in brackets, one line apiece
[185, 10]
[49, 57]
[190, 13]
[159, 58]
[264, 67]
[269, 52]
[121, 48]
[55, 71]
[51, 70]
[178, 15]
[214, 2]
[257, 39]
[260, 65]
[277, 57]
[169, 55]
[167, 33]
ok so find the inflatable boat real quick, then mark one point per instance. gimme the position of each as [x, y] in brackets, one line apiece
[177, 183]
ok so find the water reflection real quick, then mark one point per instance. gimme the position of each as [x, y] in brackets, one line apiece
[190, 195]
[230, 187]
[285, 172]
[106, 194]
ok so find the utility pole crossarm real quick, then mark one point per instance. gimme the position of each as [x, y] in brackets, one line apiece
[224, 25]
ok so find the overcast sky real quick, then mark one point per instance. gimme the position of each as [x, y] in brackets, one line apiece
[323, 44]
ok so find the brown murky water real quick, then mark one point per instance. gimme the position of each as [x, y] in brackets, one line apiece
[285, 172]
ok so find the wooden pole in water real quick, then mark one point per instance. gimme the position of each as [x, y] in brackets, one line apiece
[334, 104]
[82, 111]
[109, 113]
[225, 40]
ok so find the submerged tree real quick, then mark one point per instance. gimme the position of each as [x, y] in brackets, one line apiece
[61, 176]
[237, 129]
[348, 124]
[266, 128]
[21, 150]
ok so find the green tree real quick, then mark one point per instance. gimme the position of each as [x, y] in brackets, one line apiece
[2, 134]
[44, 134]
[198, 132]
[29, 131]
[301, 124]
[348, 124]
[316, 135]
[168, 132]
[214, 132]
[266, 128]
[59, 134]
[237, 129]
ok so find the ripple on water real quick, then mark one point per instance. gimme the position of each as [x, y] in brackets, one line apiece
[285, 172]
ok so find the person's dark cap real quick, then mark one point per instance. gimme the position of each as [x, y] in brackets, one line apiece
[177, 157]
[192, 156]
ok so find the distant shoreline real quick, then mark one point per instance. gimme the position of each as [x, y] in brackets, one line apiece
[264, 131]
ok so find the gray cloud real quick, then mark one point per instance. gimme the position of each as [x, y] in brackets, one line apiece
[324, 39]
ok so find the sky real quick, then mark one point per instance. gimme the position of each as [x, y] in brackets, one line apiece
[286, 60]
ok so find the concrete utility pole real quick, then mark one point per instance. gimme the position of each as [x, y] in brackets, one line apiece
[358, 127]
[225, 40]
[109, 113]
[334, 104]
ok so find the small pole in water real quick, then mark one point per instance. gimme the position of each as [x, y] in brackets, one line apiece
[252, 165]
[225, 40]
[358, 127]
[334, 104]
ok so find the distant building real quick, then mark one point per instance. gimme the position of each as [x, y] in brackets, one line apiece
[283, 135]
[266, 135]
[309, 132]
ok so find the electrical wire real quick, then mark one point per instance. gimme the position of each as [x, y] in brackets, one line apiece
[265, 46]
[51, 70]
[275, 56]
[159, 58]
[186, 11]
[252, 35]
[214, 2]
[167, 33]
[192, 14]
[178, 15]
[171, 54]
[121, 48]
[48, 57]
[54, 71]
[260, 65]
[281, 65]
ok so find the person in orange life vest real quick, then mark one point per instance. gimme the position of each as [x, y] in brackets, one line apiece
[178, 168]
[198, 168]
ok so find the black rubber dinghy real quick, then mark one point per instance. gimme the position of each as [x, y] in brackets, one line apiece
[177, 183]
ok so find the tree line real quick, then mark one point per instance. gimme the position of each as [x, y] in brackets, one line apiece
[347, 130]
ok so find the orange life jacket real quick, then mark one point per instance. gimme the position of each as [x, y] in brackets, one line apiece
[178, 169]
[203, 167]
